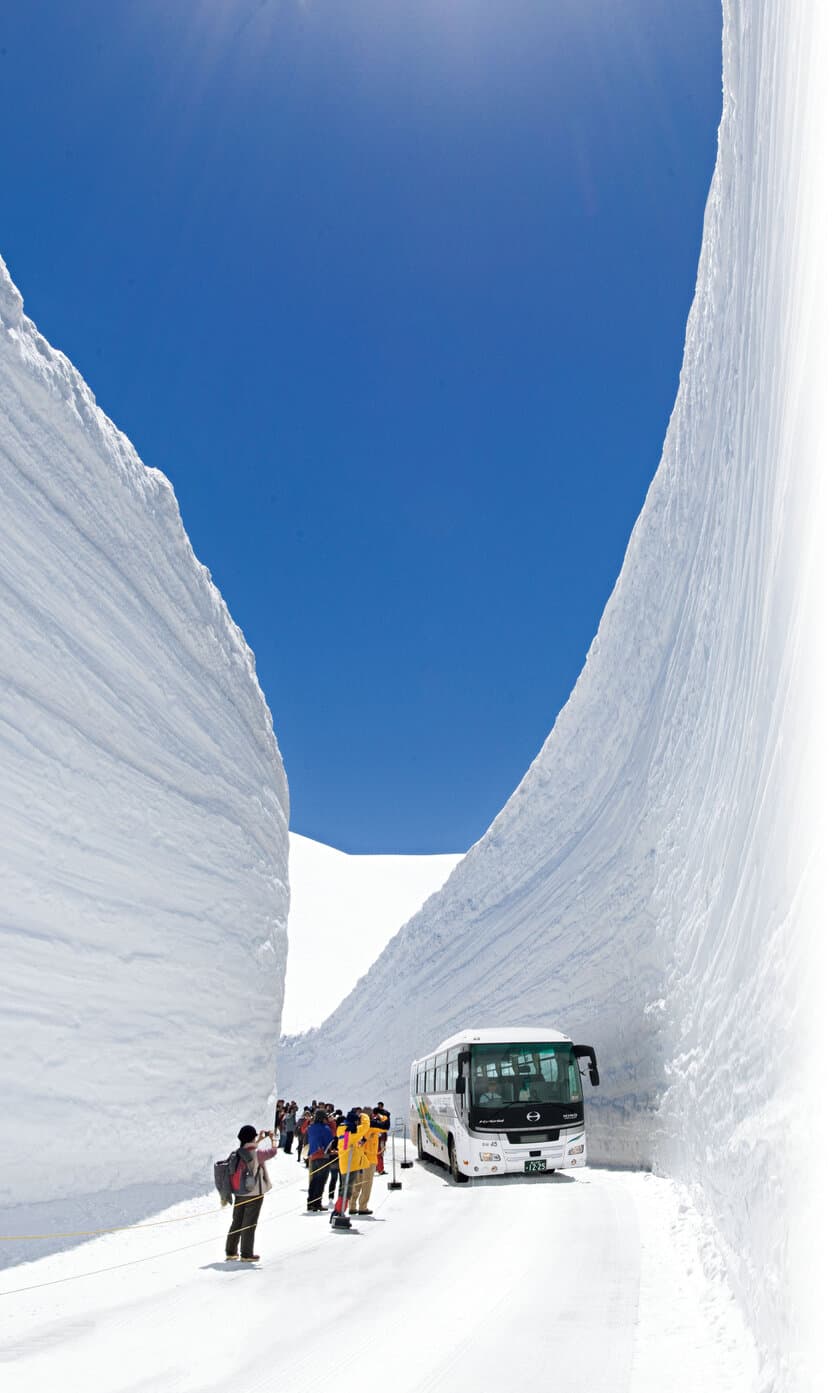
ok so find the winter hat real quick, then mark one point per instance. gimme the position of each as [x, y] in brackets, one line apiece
[247, 1134]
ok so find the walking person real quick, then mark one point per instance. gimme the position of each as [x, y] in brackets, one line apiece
[320, 1137]
[249, 1184]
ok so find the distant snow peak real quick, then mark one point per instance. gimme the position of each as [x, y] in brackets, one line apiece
[344, 910]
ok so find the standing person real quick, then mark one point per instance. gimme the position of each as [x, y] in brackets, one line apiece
[370, 1153]
[382, 1112]
[335, 1119]
[302, 1129]
[359, 1162]
[289, 1122]
[349, 1137]
[253, 1184]
[320, 1138]
[279, 1110]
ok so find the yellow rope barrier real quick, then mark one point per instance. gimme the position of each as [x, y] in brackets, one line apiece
[126, 1228]
[152, 1257]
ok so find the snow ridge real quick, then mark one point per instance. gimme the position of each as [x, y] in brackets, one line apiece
[644, 888]
[343, 911]
[143, 809]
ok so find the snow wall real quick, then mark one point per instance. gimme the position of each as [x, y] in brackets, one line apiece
[644, 887]
[143, 816]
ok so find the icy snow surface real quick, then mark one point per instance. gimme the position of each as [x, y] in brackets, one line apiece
[644, 887]
[143, 818]
[343, 911]
[588, 1282]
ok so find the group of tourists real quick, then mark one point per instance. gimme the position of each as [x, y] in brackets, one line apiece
[342, 1152]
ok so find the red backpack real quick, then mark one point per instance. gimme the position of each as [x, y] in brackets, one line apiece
[237, 1175]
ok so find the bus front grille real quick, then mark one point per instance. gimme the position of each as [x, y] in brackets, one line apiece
[532, 1138]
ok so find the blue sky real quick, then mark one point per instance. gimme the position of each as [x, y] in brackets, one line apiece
[395, 292]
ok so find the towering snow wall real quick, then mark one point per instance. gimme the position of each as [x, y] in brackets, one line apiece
[643, 889]
[143, 814]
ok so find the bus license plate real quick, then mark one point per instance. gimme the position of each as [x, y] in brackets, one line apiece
[534, 1166]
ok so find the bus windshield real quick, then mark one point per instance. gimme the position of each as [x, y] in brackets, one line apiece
[511, 1073]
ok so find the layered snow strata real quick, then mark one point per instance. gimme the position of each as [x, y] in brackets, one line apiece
[143, 813]
[646, 887]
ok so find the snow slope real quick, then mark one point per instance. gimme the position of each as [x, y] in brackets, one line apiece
[647, 886]
[343, 911]
[143, 816]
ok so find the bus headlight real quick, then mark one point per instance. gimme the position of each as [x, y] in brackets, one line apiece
[489, 1156]
[575, 1151]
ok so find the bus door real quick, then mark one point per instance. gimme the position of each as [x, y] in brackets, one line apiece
[459, 1072]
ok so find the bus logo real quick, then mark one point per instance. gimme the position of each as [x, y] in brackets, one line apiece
[532, 1117]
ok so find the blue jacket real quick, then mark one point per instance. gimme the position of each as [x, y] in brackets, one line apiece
[319, 1137]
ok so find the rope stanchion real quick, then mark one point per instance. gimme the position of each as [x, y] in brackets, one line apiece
[393, 1183]
[405, 1164]
[341, 1220]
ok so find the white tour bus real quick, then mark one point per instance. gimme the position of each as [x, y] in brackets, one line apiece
[493, 1102]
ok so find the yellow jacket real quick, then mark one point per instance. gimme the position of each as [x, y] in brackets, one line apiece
[355, 1140]
[371, 1143]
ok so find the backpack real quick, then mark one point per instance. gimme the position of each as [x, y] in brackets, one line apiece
[227, 1177]
[244, 1181]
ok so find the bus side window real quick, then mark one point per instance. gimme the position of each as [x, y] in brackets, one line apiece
[451, 1070]
[440, 1073]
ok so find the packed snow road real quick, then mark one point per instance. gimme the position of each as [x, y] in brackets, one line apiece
[593, 1281]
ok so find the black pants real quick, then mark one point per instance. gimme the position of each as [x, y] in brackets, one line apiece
[332, 1174]
[287, 1143]
[317, 1180]
[243, 1227]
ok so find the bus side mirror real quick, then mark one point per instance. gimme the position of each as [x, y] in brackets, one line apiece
[460, 1084]
[587, 1052]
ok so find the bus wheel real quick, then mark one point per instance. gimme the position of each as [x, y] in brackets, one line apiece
[453, 1165]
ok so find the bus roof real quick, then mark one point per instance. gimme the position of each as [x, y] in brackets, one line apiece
[502, 1035]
